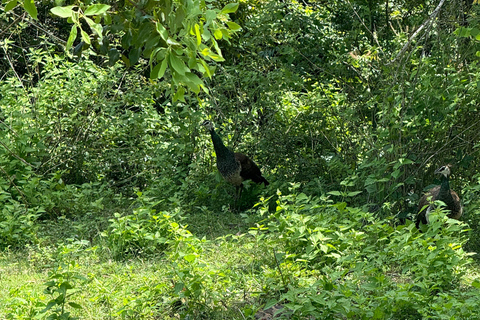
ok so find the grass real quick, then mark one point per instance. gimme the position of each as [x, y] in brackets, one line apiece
[140, 288]
[227, 272]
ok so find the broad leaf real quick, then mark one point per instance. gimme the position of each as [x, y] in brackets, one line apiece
[159, 70]
[229, 8]
[177, 64]
[97, 28]
[179, 95]
[96, 9]
[233, 26]
[10, 5]
[162, 31]
[75, 305]
[71, 37]
[197, 34]
[29, 6]
[85, 37]
[64, 12]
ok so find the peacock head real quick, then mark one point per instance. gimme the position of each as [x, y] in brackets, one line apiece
[445, 170]
[208, 124]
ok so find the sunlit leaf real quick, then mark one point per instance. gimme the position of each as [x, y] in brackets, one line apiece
[233, 26]
[96, 9]
[85, 37]
[71, 37]
[197, 34]
[161, 31]
[10, 5]
[177, 64]
[229, 8]
[159, 70]
[190, 257]
[217, 34]
[64, 12]
[179, 95]
[31, 9]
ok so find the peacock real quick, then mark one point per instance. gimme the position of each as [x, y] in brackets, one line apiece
[443, 193]
[234, 167]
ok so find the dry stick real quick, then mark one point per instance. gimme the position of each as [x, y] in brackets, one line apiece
[433, 15]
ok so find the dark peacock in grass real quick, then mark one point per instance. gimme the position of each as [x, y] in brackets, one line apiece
[233, 166]
[443, 193]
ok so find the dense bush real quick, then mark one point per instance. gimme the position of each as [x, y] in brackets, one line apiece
[366, 267]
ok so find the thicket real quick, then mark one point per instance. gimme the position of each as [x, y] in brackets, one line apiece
[347, 117]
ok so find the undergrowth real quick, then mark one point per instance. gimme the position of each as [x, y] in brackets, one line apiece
[314, 257]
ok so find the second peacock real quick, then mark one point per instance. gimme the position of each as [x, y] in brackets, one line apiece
[443, 193]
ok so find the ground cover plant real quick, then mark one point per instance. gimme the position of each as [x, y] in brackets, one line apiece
[111, 205]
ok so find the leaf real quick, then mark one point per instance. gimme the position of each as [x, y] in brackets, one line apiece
[96, 9]
[97, 28]
[233, 26]
[206, 67]
[353, 193]
[162, 31]
[159, 70]
[335, 193]
[193, 82]
[75, 305]
[218, 34]
[71, 37]
[476, 283]
[229, 8]
[10, 5]
[63, 12]
[29, 6]
[172, 42]
[179, 95]
[197, 34]
[85, 36]
[396, 173]
[208, 53]
[190, 257]
[178, 65]
[210, 15]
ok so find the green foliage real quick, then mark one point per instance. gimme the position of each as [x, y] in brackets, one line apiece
[17, 217]
[144, 232]
[347, 118]
[17, 225]
[64, 278]
[364, 264]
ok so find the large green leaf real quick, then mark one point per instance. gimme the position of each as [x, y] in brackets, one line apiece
[96, 27]
[10, 5]
[229, 8]
[162, 31]
[85, 37]
[177, 64]
[71, 37]
[29, 6]
[159, 70]
[96, 9]
[233, 26]
[64, 12]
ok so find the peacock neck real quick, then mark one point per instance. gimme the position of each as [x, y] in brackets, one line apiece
[220, 149]
[444, 187]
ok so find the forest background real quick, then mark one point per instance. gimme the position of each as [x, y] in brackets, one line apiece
[111, 204]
